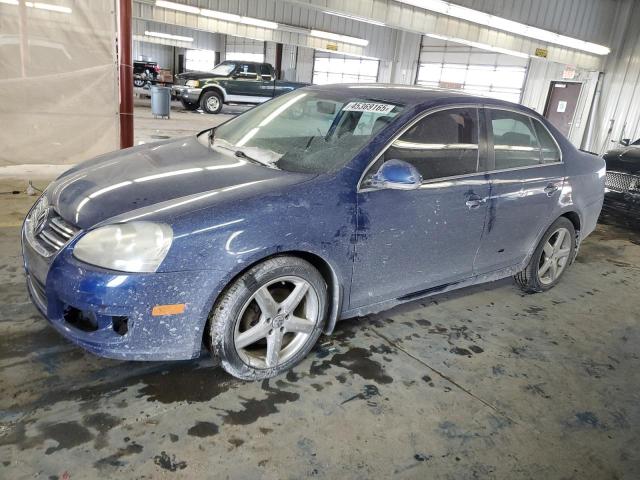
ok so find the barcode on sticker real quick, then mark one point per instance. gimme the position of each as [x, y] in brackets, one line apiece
[382, 108]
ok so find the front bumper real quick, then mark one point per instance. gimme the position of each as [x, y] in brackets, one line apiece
[65, 287]
[186, 94]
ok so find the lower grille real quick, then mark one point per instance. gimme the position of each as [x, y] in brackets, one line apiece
[622, 182]
[38, 292]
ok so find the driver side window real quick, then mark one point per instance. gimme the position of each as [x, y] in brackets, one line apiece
[442, 144]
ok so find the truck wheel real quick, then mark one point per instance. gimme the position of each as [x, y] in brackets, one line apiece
[211, 102]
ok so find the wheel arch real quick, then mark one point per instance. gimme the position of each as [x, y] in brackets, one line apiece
[574, 217]
[325, 268]
[217, 88]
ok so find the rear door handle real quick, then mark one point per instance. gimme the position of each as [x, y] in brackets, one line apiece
[551, 189]
[474, 201]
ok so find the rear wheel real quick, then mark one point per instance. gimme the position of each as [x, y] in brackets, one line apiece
[269, 319]
[211, 102]
[550, 259]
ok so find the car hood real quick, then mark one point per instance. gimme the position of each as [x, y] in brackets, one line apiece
[139, 177]
[625, 160]
[198, 75]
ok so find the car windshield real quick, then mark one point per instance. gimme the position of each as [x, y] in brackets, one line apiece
[304, 131]
[223, 69]
[637, 142]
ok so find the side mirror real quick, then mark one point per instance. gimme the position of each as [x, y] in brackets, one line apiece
[396, 175]
[625, 142]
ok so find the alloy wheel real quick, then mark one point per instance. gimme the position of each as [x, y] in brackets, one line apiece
[555, 256]
[213, 103]
[276, 322]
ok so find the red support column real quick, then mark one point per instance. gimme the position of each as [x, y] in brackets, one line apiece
[126, 74]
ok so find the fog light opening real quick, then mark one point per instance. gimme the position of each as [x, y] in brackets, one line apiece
[120, 325]
[85, 321]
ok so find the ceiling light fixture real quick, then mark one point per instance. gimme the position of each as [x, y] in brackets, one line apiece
[227, 17]
[506, 25]
[339, 38]
[168, 36]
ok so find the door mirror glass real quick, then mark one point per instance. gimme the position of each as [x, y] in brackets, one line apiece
[396, 175]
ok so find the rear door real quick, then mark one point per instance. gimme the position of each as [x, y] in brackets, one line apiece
[526, 176]
[244, 83]
[267, 80]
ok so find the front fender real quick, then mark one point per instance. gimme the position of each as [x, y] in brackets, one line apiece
[214, 85]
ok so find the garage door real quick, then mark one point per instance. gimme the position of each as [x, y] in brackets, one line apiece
[334, 68]
[244, 49]
[448, 65]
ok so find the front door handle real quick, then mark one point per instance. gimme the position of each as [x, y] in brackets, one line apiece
[474, 201]
[551, 189]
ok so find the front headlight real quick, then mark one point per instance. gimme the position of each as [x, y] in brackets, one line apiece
[127, 247]
[193, 83]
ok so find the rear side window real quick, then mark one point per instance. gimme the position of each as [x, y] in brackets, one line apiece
[443, 144]
[514, 140]
[550, 152]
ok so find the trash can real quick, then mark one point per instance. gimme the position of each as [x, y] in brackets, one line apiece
[160, 101]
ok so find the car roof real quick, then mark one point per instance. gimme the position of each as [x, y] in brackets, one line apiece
[415, 94]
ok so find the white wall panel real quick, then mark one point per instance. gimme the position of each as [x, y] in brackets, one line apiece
[380, 38]
[162, 54]
[589, 20]
[618, 112]
[536, 91]
[418, 20]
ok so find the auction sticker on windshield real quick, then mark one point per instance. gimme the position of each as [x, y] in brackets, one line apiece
[368, 107]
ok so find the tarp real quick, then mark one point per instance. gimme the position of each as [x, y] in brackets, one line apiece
[58, 81]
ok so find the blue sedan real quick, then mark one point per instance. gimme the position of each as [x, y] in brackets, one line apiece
[326, 203]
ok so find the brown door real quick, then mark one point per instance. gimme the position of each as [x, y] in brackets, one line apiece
[561, 104]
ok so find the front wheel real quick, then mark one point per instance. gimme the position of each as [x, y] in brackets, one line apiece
[550, 259]
[211, 102]
[269, 318]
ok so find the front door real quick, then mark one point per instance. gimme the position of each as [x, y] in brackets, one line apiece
[527, 176]
[561, 105]
[408, 242]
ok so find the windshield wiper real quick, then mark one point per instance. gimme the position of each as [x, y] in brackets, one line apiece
[241, 154]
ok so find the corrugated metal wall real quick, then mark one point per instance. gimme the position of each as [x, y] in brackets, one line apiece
[589, 20]
[617, 114]
[419, 20]
[162, 54]
[381, 38]
[541, 74]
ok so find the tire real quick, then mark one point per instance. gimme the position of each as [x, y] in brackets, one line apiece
[189, 106]
[540, 274]
[138, 82]
[257, 315]
[211, 102]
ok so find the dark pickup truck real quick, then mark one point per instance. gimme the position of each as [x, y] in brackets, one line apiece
[230, 82]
